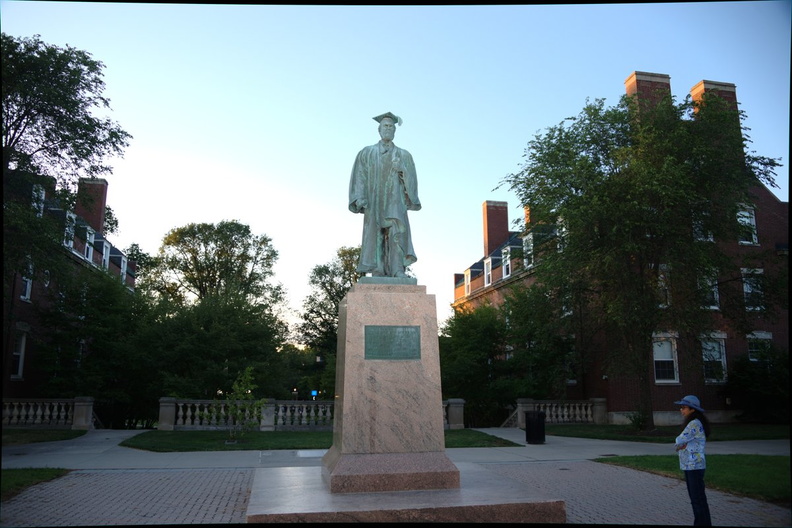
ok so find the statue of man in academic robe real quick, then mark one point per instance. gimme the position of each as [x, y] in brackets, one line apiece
[383, 187]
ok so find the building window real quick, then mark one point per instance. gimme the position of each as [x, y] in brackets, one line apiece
[663, 286]
[752, 289]
[713, 349]
[105, 255]
[759, 345]
[467, 282]
[18, 359]
[506, 260]
[27, 284]
[487, 271]
[90, 235]
[123, 271]
[68, 235]
[709, 287]
[747, 220]
[665, 358]
[528, 251]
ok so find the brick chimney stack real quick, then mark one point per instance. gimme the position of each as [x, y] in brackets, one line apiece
[496, 225]
[650, 87]
[726, 91]
[92, 202]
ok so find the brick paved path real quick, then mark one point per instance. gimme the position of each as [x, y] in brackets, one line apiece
[594, 493]
[598, 493]
[131, 497]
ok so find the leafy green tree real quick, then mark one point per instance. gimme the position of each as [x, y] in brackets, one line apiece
[49, 94]
[472, 353]
[88, 347]
[319, 327]
[760, 386]
[541, 359]
[50, 138]
[619, 199]
[214, 310]
[223, 260]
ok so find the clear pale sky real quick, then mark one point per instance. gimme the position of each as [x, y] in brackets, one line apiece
[255, 112]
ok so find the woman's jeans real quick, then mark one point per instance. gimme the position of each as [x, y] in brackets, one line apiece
[698, 497]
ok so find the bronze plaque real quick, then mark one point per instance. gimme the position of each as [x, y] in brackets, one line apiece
[393, 342]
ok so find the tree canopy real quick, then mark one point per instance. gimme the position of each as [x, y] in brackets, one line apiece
[223, 260]
[624, 204]
[49, 97]
[51, 137]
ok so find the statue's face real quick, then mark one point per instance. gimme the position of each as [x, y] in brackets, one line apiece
[387, 129]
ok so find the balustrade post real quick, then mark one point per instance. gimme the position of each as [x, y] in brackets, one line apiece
[456, 413]
[523, 405]
[83, 413]
[599, 411]
[267, 422]
[167, 414]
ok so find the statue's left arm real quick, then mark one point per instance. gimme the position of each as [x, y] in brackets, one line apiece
[410, 180]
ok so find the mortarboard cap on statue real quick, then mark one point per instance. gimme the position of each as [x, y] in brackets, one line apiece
[396, 119]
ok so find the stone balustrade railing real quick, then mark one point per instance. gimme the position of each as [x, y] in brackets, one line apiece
[593, 411]
[53, 413]
[177, 414]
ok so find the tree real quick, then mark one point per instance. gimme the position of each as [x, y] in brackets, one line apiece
[673, 171]
[50, 138]
[89, 346]
[223, 260]
[213, 310]
[49, 94]
[472, 350]
[319, 328]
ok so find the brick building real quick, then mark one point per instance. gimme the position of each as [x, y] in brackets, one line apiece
[84, 244]
[507, 262]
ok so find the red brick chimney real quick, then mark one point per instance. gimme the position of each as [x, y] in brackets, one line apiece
[650, 87]
[726, 91]
[92, 202]
[496, 225]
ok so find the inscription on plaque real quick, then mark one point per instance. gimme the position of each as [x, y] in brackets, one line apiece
[393, 342]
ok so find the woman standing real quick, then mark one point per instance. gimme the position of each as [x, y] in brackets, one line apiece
[690, 445]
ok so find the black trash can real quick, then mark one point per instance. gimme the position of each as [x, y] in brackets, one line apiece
[535, 427]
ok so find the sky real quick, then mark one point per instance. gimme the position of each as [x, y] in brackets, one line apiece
[255, 113]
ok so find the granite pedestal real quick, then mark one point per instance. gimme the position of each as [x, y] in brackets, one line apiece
[388, 432]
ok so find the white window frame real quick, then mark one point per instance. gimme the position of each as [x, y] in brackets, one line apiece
[752, 291]
[710, 285]
[106, 255]
[528, 253]
[123, 272]
[18, 355]
[506, 262]
[27, 284]
[488, 271]
[68, 235]
[747, 219]
[663, 285]
[90, 238]
[467, 282]
[761, 338]
[663, 345]
[713, 349]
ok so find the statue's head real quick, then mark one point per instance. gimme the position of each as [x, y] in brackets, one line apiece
[387, 125]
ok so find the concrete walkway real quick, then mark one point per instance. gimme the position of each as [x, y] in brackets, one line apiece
[113, 485]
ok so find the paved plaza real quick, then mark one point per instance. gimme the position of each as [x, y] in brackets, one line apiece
[113, 485]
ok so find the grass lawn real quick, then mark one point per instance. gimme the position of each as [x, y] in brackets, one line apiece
[720, 432]
[169, 441]
[14, 481]
[765, 478]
